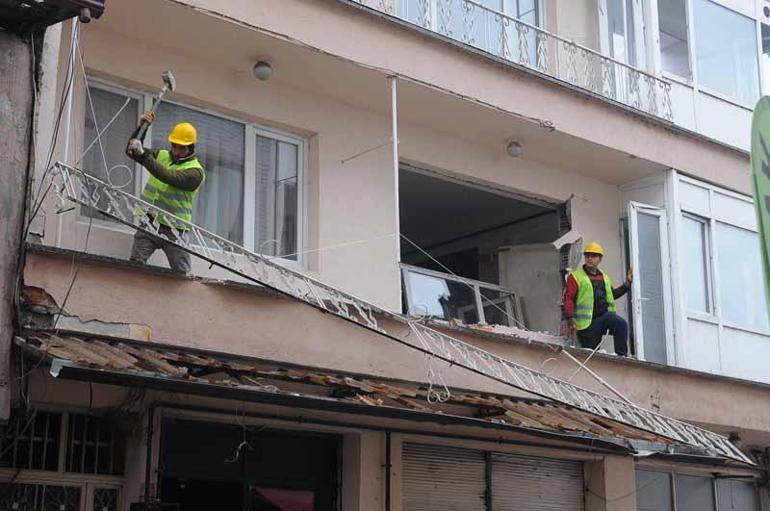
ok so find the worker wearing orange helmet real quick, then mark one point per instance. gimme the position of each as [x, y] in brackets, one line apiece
[176, 175]
[589, 303]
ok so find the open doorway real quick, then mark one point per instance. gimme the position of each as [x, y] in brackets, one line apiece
[229, 467]
[478, 255]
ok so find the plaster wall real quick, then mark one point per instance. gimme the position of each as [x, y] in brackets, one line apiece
[347, 199]
[396, 50]
[239, 321]
[575, 21]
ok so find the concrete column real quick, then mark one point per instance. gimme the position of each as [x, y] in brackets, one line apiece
[16, 99]
[363, 458]
[610, 484]
[45, 119]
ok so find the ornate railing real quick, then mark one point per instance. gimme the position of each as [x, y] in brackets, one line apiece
[75, 185]
[527, 45]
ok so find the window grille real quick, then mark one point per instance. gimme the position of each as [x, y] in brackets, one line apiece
[30, 440]
[105, 499]
[94, 445]
[39, 497]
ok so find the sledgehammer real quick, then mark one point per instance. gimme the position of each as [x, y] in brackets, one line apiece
[169, 84]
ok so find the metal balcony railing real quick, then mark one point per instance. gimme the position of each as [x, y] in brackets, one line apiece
[76, 186]
[444, 296]
[524, 44]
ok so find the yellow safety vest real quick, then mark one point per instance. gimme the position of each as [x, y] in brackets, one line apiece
[168, 197]
[584, 302]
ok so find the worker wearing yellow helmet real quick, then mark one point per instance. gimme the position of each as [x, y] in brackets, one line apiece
[589, 303]
[176, 175]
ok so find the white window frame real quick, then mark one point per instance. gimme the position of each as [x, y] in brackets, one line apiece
[642, 42]
[707, 247]
[512, 306]
[673, 471]
[692, 52]
[634, 209]
[251, 130]
[139, 174]
[711, 218]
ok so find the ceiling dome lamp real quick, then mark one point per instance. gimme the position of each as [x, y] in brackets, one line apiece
[262, 70]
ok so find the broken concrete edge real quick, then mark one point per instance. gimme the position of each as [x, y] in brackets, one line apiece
[36, 318]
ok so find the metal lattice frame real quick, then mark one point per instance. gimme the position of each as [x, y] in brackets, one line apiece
[75, 185]
[486, 28]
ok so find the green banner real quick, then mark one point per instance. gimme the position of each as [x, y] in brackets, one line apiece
[760, 178]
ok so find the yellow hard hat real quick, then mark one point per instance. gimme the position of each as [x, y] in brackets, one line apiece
[183, 133]
[593, 248]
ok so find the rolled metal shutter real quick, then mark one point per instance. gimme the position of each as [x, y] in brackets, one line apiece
[526, 483]
[438, 478]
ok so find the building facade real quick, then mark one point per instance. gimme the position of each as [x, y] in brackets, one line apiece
[440, 159]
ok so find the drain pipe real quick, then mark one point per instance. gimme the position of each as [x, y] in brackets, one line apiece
[388, 464]
[148, 452]
[396, 169]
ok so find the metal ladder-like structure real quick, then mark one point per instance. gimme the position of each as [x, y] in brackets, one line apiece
[75, 185]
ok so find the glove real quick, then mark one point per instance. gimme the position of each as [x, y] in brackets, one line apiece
[148, 117]
[135, 148]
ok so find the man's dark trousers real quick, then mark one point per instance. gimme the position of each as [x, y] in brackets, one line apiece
[607, 322]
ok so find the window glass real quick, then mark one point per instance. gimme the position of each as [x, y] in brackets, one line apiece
[737, 495]
[620, 35]
[694, 493]
[526, 10]
[653, 491]
[220, 148]
[112, 166]
[498, 307]
[739, 272]
[727, 51]
[694, 251]
[672, 25]
[276, 197]
[441, 298]
[766, 57]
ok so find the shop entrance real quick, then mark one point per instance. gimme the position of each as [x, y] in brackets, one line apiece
[228, 467]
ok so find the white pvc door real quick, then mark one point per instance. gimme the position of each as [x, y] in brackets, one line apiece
[650, 296]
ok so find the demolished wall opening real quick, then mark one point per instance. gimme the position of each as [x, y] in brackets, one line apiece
[479, 255]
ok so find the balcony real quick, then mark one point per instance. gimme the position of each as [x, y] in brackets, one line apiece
[527, 46]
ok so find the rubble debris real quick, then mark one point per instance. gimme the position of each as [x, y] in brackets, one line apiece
[172, 362]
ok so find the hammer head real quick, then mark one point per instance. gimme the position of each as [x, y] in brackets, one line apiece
[168, 80]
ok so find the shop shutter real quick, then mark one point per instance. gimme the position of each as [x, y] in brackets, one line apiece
[525, 483]
[437, 478]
